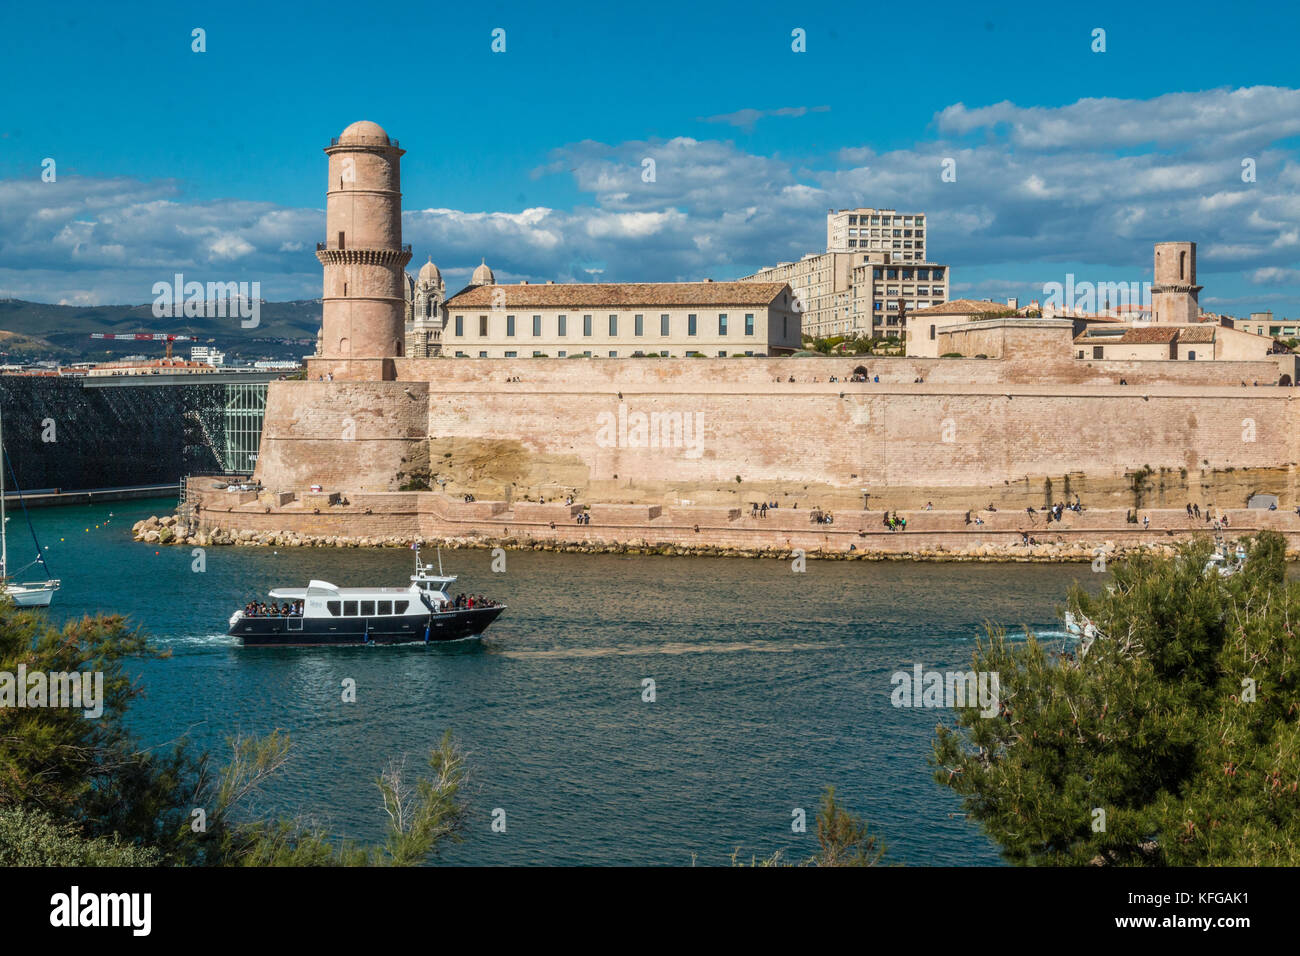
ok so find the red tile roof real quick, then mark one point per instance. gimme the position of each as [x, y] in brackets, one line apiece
[616, 295]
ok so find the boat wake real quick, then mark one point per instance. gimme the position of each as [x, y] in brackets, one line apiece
[647, 650]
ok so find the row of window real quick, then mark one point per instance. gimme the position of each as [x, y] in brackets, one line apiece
[722, 353]
[638, 325]
[896, 233]
[935, 274]
[366, 608]
[888, 220]
[880, 306]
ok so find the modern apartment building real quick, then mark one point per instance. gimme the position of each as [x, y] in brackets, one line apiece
[873, 274]
[877, 230]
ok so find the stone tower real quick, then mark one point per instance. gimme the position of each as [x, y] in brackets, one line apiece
[1174, 292]
[364, 307]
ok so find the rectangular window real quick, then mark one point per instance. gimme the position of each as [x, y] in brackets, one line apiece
[482, 326]
[537, 326]
[349, 608]
[563, 325]
[690, 324]
[460, 354]
[749, 323]
[722, 353]
[586, 325]
[613, 355]
[367, 608]
[334, 607]
[512, 355]
[722, 323]
[785, 327]
[663, 324]
[385, 607]
[638, 324]
[460, 325]
[400, 607]
[510, 325]
[613, 325]
[563, 354]
[1098, 351]
[482, 354]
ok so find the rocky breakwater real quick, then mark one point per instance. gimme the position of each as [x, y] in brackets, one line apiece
[170, 530]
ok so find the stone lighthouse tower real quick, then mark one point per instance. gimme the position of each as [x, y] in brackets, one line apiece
[1174, 292]
[364, 260]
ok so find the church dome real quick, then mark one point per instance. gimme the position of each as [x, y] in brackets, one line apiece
[364, 133]
[429, 273]
[483, 275]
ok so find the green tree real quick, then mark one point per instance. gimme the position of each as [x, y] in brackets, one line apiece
[1172, 737]
[77, 788]
[842, 837]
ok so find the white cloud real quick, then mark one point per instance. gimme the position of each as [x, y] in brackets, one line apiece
[1096, 182]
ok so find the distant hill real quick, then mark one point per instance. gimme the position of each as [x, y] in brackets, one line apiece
[37, 330]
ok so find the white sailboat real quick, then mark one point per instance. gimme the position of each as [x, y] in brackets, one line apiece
[33, 593]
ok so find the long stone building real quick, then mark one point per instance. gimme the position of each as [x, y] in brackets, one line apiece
[621, 320]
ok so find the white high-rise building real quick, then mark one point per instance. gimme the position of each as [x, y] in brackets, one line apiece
[873, 274]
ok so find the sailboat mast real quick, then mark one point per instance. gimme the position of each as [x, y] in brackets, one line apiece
[4, 531]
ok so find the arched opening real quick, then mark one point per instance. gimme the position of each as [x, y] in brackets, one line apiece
[1284, 380]
[345, 347]
[1182, 265]
[860, 370]
[400, 346]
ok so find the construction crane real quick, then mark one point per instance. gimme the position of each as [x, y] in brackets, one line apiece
[147, 337]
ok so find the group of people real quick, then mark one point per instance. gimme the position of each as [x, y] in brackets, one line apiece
[760, 510]
[1057, 511]
[465, 602]
[262, 609]
[894, 523]
[584, 517]
[468, 498]
[821, 517]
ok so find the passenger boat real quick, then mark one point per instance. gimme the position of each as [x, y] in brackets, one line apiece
[323, 614]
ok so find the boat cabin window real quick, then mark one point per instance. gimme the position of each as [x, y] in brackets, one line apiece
[367, 608]
[385, 607]
[334, 607]
[402, 606]
[350, 608]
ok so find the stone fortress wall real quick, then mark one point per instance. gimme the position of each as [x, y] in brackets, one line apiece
[972, 431]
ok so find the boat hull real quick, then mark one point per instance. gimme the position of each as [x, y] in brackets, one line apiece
[30, 596]
[329, 631]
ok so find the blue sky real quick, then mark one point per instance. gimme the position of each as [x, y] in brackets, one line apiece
[1067, 160]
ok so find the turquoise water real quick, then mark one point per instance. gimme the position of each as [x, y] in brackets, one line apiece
[769, 685]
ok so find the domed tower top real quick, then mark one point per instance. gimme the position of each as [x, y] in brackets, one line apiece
[483, 275]
[364, 133]
[429, 274]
